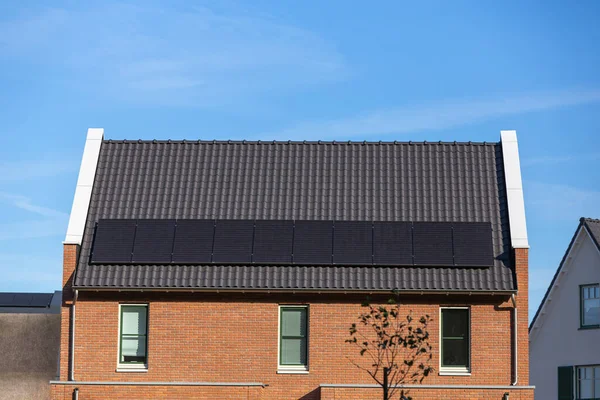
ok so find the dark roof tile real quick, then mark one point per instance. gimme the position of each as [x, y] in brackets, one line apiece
[390, 181]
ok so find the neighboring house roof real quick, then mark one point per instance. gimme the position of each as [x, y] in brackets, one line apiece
[30, 303]
[395, 181]
[592, 227]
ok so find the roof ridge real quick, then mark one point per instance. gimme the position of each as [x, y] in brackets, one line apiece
[584, 219]
[333, 142]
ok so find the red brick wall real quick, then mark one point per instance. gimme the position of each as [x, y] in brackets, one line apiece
[522, 269]
[70, 255]
[428, 394]
[233, 338]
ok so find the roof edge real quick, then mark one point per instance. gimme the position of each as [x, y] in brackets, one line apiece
[85, 183]
[514, 190]
[267, 142]
[329, 291]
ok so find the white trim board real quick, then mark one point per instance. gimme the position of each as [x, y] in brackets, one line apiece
[85, 184]
[514, 190]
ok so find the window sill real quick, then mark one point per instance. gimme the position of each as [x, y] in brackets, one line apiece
[296, 370]
[130, 368]
[587, 327]
[446, 372]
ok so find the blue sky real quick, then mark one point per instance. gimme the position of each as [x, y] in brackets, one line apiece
[294, 70]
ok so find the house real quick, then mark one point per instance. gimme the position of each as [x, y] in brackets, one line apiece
[234, 269]
[29, 344]
[564, 335]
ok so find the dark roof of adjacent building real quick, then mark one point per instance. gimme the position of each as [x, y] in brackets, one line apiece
[30, 303]
[394, 181]
[593, 227]
[590, 225]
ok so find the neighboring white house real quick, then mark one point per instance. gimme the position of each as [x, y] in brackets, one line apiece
[564, 336]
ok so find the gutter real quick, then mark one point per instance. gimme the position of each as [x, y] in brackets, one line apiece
[72, 352]
[295, 291]
[515, 348]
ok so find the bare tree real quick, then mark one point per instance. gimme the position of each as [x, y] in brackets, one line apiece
[396, 347]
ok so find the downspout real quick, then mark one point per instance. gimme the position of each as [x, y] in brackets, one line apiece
[72, 352]
[515, 348]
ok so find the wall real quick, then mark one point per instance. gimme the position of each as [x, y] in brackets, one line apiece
[28, 354]
[558, 340]
[233, 338]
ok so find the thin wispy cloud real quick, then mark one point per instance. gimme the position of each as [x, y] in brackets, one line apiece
[25, 203]
[48, 222]
[18, 171]
[436, 116]
[170, 56]
[551, 160]
[560, 202]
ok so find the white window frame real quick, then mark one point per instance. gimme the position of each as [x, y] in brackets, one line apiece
[454, 370]
[581, 306]
[577, 380]
[132, 367]
[293, 369]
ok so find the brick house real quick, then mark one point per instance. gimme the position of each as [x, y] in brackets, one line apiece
[233, 270]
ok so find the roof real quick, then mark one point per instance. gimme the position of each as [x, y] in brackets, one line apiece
[28, 303]
[349, 181]
[593, 227]
[590, 225]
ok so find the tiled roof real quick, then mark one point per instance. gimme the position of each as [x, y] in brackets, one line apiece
[593, 226]
[396, 181]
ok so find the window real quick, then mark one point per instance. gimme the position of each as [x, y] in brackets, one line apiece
[588, 382]
[293, 338]
[455, 340]
[133, 336]
[590, 306]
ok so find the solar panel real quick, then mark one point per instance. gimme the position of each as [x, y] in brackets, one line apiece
[40, 299]
[193, 241]
[153, 241]
[233, 241]
[353, 242]
[473, 246]
[273, 242]
[392, 243]
[6, 299]
[113, 241]
[432, 243]
[313, 242]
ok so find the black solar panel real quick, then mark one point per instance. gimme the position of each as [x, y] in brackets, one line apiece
[233, 241]
[353, 242]
[432, 243]
[392, 243]
[40, 299]
[6, 299]
[273, 242]
[37, 300]
[473, 246]
[153, 241]
[313, 242]
[193, 241]
[113, 242]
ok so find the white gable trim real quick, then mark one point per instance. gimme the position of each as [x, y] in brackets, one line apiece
[514, 190]
[562, 271]
[85, 183]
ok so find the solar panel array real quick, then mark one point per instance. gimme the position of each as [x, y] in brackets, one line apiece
[151, 241]
[37, 300]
